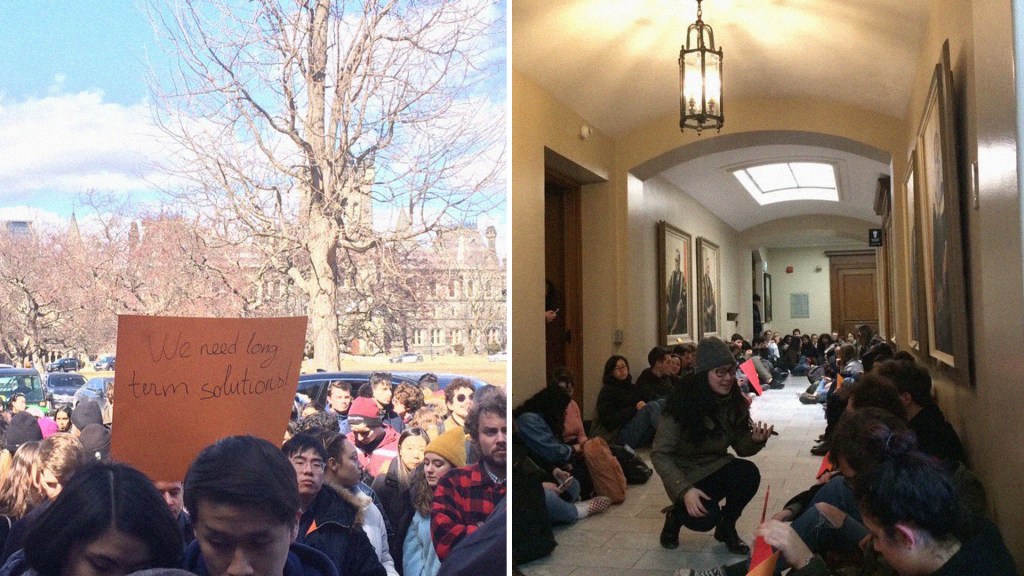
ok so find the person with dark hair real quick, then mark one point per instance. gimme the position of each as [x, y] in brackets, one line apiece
[687, 352]
[406, 400]
[758, 325]
[16, 404]
[244, 499]
[458, 397]
[935, 436]
[382, 393]
[319, 423]
[909, 505]
[339, 400]
[342, 476]
[871, 390]
[108, 521]
[573, 432]
[62, 416]
[622, 415]
[377, 442]
[311, 407]
[173, 494]
[393, 487]
[466, 496]
[655, 382]
[912, 517]
[700, 423]
[540, 421]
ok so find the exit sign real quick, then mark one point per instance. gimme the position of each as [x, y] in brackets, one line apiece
[875, 237]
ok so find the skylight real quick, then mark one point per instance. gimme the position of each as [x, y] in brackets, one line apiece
[786, 181]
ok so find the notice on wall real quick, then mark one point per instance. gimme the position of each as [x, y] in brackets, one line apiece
[183, 383]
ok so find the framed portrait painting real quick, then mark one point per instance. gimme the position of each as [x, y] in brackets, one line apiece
[767, 303]
[709, 289]
[941, 246]
[675, 287]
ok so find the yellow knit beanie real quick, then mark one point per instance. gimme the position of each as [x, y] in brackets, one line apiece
[451, 446]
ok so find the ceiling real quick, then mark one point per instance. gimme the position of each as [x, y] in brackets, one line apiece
[615, 64]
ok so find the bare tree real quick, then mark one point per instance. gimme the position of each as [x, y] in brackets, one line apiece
[316, 130]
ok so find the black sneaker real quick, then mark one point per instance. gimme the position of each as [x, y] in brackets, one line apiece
[820, 449]
[726, 534]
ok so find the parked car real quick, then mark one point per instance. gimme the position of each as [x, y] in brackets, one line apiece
[63, 386]
[25, 381]
[313, 386]
[94, 389]
[498, 357]
[65, 365]
[105, 362]
[407, 357]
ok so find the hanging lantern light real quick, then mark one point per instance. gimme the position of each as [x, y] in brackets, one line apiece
[700, 79]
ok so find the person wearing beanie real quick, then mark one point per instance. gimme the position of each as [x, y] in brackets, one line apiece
[23, 428]
[376, 443]
[444, 453]
[87, 412]
[691, 454]
[95, 439]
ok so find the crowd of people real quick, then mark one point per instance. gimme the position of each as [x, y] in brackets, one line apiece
[376, 482]
[895, 494]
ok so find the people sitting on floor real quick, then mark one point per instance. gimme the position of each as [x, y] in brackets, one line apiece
[655, 382]
[910, 512]
[540, 420]
[623, 417]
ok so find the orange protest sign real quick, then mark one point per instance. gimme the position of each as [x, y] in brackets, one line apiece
[183, 383]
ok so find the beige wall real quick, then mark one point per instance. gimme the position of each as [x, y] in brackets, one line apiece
[619, 236]
[811, 276]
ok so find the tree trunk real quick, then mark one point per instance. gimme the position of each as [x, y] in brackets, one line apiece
[323, 291]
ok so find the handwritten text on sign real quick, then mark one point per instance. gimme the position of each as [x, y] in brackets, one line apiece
[184, 383]
[174, 347]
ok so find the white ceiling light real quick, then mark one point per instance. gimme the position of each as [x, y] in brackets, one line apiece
[785, 181]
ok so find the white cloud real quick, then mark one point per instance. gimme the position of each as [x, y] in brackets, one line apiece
[70, 143]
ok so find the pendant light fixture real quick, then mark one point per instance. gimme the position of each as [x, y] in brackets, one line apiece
[700, 79]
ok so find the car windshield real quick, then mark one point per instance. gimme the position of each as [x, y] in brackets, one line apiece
[64, 384]
[28, 384]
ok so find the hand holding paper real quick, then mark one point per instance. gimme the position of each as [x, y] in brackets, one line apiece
[783, 538]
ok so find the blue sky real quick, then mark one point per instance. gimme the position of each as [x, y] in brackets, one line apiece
[74, 110]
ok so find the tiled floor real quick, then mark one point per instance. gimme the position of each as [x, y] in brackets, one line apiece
[624, 539]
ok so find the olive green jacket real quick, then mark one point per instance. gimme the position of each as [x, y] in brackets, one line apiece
[681, 463]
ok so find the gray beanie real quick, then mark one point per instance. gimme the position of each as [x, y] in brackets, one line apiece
[713, 353]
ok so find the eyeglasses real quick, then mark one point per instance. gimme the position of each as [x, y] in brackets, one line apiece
[464, 397]
[725, 371]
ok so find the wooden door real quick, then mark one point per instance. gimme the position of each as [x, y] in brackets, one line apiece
[562, 269]
[854, 287]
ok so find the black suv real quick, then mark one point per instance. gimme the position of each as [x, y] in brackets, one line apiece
[64, 365]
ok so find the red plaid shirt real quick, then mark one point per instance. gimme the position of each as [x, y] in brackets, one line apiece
[464, 498]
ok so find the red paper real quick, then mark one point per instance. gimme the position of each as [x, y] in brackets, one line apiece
[751, 373]
[761, 548]
[765, 567]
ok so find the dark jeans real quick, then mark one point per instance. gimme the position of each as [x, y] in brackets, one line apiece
[736, 483]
